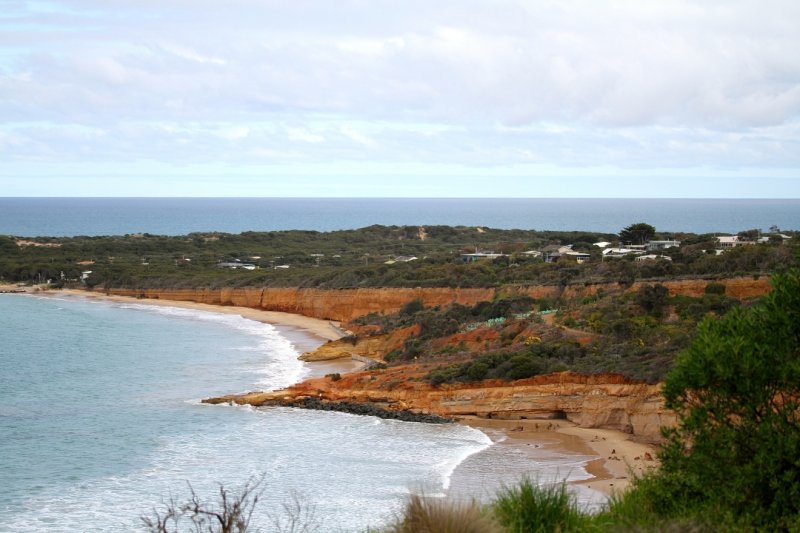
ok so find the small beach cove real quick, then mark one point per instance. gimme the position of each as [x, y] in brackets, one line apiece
[593, 460]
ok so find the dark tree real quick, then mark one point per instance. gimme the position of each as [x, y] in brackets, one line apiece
[653, 299]
[638, 233]
[736, 391]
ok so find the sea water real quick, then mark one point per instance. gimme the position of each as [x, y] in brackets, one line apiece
[30, 217]
[100, 422]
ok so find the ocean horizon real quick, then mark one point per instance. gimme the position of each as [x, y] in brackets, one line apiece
[63, 217]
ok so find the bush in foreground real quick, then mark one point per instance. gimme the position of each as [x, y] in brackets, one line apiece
[528, 507]
[434, 515]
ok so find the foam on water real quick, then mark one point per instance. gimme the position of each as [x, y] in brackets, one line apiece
[282, 368]
[96, 453]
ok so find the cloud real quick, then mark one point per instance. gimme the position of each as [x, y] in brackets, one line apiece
[475, 82]
[303, 135]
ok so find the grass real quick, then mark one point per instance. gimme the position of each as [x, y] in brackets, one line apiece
[434, 515]
[531, 508]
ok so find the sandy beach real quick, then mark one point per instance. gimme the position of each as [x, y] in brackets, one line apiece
[618, 457]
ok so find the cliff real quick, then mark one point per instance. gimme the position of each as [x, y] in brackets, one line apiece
[347, 304]
[601, 401]
[374, 347]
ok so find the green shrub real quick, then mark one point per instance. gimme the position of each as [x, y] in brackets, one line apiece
[411, 308]
[714, 288]
[530, 508]
[434, 515]
[736, 391]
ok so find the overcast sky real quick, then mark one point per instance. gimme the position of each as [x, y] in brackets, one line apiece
[400, 98]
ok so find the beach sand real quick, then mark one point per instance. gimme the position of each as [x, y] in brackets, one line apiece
[612, 457]
[616, 457]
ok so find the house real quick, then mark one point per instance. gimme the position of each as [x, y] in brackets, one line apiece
[620, 252]
[766, 238]
[552, 252]
[653, 246]
[236, 264]
[731, 241]
[471, 258]
[652, 257]
[580, 257]
[401, 259]
[602, 244]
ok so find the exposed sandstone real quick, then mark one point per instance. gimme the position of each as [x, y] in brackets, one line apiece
[602, 401]
[374, 346]
[347, 304]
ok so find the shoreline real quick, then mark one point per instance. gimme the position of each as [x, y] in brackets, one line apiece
[616, 455]
[611, 472]
[327, 330]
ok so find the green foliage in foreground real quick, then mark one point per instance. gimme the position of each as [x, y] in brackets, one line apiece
[737, 393]
[531, 508]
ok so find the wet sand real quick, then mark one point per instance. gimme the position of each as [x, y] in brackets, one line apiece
[616, 458]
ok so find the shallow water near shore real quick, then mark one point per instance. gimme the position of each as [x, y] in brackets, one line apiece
[101, 421]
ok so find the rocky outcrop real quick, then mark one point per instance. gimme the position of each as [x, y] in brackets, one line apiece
[347, 304]
[374, 347]
[600, 401]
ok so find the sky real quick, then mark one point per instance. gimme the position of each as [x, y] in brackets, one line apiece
[445, 98]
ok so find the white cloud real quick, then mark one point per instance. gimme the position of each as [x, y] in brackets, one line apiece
[235, 133]
[471, 82]
[303, 135]
[355, 135]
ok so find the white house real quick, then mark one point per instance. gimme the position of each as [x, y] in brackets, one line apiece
[620, 252]
[653, 246]
[731, 241]
[652, 257]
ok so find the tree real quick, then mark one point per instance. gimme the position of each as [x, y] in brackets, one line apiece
[653, 299]
[638, 233]
[736, 391]
[231, 514]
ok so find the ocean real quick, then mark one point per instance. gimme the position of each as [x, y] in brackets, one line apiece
[101, 422]
[31, 217]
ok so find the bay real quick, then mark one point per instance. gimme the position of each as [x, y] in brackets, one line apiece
[100, 422]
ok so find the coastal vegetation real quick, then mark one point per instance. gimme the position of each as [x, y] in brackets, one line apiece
[375, 256]
[633, 333]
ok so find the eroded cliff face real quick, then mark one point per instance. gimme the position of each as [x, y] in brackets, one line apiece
[600, 401]
[374, 347]
[346, 304]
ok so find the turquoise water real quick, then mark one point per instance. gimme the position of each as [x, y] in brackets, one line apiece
[178, 216]
[100, 421]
